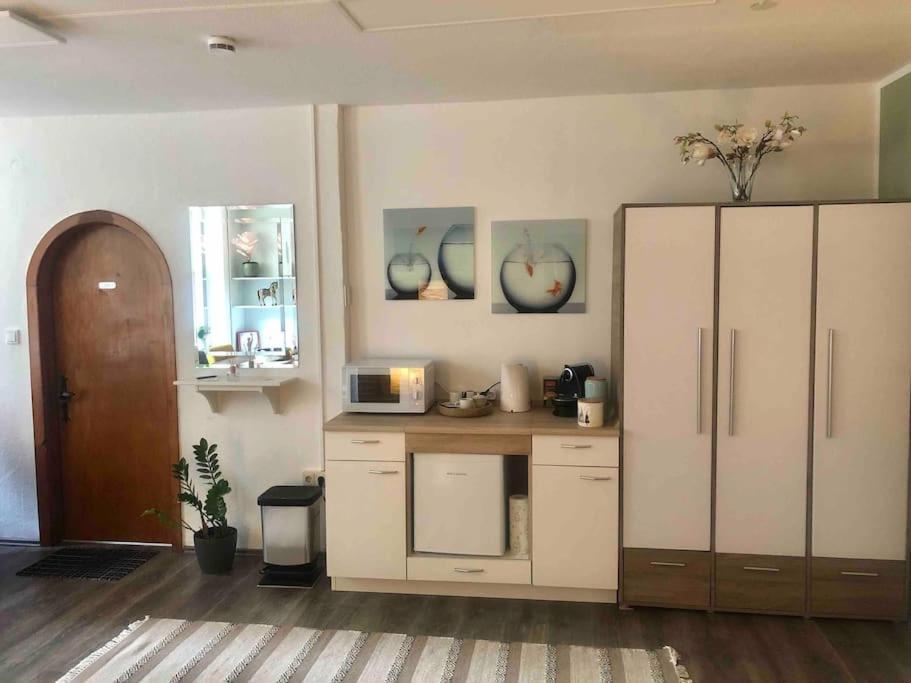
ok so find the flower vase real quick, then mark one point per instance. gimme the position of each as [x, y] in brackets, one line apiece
[742, 188]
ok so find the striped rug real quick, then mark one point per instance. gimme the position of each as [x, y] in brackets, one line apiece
[155, 650]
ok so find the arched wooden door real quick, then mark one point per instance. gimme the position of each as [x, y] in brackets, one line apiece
[101, 335]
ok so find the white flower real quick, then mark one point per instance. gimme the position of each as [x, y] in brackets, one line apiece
[724, 136]
[701, 152]
[745, 138]
[779, 133]
[795, 132]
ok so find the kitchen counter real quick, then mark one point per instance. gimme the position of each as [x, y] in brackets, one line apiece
[538, 421]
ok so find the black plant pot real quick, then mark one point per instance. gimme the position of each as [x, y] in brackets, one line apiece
[215, 553]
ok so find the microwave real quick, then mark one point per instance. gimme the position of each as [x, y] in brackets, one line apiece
[388, 385]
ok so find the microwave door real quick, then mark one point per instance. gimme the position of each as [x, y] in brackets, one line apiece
[375, 387]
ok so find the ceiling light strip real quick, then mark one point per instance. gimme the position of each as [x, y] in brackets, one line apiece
[185, 8]
[499, 20]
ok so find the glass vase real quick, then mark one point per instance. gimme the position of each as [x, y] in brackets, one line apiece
[742, 188]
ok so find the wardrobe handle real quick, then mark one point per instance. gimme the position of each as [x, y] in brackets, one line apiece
[383, 471]
[466, 570]
[871, 574]
[589, 477]
[668, 564]
[365, 441]
[830, 358]
[731, 387]
[762, 569]
[575, 446]
[699, 380]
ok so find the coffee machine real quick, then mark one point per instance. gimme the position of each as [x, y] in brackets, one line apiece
[570, 388]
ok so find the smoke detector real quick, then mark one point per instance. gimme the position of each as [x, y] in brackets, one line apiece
[221, 45]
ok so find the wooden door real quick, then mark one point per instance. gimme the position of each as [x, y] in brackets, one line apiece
[765, 285]
[365, 519]
[575, 526]
[113, 344]
[863, 333]
[669, 311]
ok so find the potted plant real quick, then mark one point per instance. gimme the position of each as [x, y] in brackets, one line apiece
[215, 541]
[244, 244]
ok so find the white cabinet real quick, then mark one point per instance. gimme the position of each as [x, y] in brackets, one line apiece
[365, 519]
[765, 291]
[863, 375]
[669, 312]
[575, 526]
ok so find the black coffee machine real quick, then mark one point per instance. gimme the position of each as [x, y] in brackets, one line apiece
[570, 388]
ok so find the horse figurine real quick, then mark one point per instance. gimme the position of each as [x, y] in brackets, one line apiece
[270, 292]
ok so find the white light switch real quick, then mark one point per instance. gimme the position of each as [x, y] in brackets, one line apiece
[12, 335]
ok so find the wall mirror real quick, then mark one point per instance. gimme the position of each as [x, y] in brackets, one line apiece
[244, 286]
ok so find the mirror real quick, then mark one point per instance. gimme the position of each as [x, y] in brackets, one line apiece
[244, 286]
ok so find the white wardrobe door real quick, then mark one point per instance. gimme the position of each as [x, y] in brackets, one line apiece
[860, 463]
[763, 423]
[669, 305]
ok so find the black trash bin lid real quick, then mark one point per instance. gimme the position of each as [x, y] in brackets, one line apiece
[290, 496]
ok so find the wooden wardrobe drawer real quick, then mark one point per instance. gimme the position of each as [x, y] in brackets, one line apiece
[469, 569]
[872, 589]
[764, 583]
[580, 451]
[666, 578]
[373, 446]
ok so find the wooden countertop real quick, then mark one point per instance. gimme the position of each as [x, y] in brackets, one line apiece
[538, 421]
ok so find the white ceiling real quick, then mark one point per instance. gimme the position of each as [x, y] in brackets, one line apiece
[150, 55]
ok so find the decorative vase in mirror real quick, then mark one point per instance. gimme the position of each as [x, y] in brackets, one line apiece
[740, 150]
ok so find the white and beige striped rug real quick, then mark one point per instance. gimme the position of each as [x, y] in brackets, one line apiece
[156, 650]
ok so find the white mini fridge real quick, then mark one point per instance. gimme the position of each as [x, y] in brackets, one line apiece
[459, 503]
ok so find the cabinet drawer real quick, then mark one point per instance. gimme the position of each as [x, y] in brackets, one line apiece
[767, 583]
[873, 589]
[376, 446]
[580, 451]
[666, 578]
[469, 570]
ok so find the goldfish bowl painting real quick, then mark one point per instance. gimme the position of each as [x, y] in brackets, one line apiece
[456, 260]
[408, 275]
[538, 278]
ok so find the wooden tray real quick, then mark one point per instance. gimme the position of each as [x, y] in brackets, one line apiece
[449, 411]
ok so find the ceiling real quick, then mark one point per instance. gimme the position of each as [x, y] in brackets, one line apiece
[150, 55]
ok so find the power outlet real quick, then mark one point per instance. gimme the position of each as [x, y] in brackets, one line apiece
[311, 477]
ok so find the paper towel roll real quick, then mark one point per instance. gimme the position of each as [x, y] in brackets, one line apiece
[518, 524]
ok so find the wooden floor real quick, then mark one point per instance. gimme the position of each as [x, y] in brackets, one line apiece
[47, 625]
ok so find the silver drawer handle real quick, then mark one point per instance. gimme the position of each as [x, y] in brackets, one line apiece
[871, 574]
[699, 380]
[457, 474]
[466, 570]
[762, 569]
[668, 564]
[731, 383]
[830, 369]
[589, 477]
[383, 471]
[575, 446]
[363, 441]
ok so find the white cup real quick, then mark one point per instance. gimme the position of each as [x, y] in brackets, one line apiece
[454, 397]
[591, 413]
[466, 403]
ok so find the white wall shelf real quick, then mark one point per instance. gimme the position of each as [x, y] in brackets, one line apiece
[212, 389]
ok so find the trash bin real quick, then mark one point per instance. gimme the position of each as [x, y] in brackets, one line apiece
[291, 536]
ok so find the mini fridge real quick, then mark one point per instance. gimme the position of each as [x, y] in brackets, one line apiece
[459, 503]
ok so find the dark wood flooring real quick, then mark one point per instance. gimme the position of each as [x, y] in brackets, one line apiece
[47, 625]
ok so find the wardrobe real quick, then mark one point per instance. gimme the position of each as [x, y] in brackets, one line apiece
[762, 359]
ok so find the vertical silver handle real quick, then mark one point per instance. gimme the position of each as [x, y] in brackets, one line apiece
[699, 380]
[830, 357]
[731, 387]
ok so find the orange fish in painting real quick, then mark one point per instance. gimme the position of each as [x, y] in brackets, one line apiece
[530, 268]
[422, 229]
[556, 289]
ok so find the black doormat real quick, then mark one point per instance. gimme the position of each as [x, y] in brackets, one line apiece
[99, 564]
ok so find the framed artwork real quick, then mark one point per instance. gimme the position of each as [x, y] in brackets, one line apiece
[538, 266]
[429, 253]
[247, 341]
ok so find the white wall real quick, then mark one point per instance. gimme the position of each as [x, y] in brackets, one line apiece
[150, 169]
[561, 158]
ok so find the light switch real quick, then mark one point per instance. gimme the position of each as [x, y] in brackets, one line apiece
[12, 335]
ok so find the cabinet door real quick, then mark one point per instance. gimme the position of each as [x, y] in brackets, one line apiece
[365, 519]
[575, 526]
[765, 290]
[863, 335]
[669, 311]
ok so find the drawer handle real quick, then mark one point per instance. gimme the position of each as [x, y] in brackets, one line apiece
[457, 474]
[468, 570]
[365, 441]
[575, 446]
[762, 569]
[668, 564]
[383, 471]
[589, 477]
[871, 574]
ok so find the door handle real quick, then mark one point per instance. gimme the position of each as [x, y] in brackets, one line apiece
[64, 398]
[467, 570]
[668, 564]
[830, 366]
[575, 446]
[589, 477]
[699, 380]
[869, 574]
[762, 569]
[731, 386]
[365, 441]
[383, 471]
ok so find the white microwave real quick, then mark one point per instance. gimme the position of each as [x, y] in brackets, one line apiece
[388, 385]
